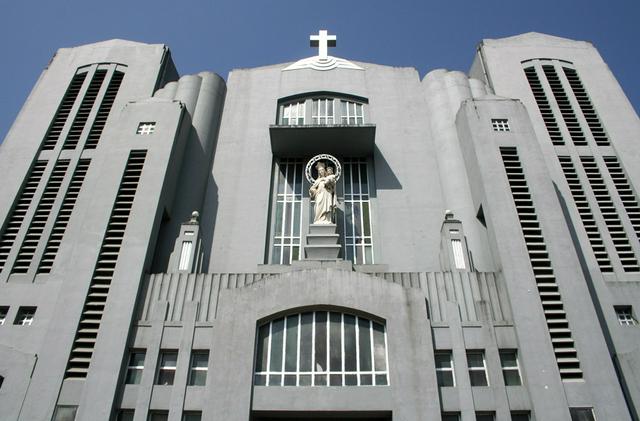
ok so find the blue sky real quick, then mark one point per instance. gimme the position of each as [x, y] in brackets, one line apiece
[221, 35]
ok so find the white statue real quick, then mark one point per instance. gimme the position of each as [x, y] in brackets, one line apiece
[323, 191]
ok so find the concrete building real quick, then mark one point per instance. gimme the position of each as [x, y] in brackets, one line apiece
[486, 228]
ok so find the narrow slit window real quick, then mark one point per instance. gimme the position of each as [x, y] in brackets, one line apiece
[185, 255]
[458, 254]
[3, 314]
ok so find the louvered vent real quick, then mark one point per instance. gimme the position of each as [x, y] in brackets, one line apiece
[104, 110]
[63, 112]
[625, 191]
[40, 218]
[544, 107]
[588, 221]
[610, 215]
[557, 323]
[64, 214]
[596, 127]
[89, 325]
[16, 217]
[85, 109]
[568, 115]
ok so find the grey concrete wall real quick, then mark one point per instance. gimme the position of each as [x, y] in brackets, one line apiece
[481, 149]
[407, 192]
[502, 61]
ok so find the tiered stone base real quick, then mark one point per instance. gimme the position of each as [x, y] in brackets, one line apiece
[322, 242]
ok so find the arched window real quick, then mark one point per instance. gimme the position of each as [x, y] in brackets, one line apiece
[322, 348]
[322, 109]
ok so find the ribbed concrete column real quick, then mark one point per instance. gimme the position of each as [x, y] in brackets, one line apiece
[444, 92]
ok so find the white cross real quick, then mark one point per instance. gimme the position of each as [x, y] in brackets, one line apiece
[322, 41]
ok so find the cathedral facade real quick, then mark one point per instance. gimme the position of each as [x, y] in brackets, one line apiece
[323, 239]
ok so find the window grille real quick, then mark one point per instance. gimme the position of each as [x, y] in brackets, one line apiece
[352, 112]
[610, 215]
[146, 128]
[552, 306]
[500, 125]
[543, 105]
[458, 254]
[444, 369]
[287, 214]
[293, 114]
[586, 215]
[83, 112]
[25, 316]
[185, 255]
[16, 217]
[89, 325]
[627, 195]
[40, 218]
[322, 348]
[103, 112]
[568, 114]
[323, 111]
[62, 114]
[64, 214]
[625, 315]
[588, 110]
[358, 238]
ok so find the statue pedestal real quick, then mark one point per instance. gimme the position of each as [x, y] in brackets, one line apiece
[322, 242]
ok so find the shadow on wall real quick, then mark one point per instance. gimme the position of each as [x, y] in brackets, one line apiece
[385, 178]
[596, 303]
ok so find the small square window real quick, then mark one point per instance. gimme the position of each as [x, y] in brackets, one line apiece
[625, 315]
[199, 367]
[477, 368]
[520, 416]
[485, 416]
[146, 127]
[167, 367]
[444, 369]
[65, 413]
[192, 416]
[3, 314]
[450, 416]
[510, 368]
[500, 125]
[125, 415]
[158, 416]
[135, 367]
[582, 414]
[25, 316]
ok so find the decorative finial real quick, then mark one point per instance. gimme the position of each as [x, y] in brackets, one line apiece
[448, 214]
[195, 216]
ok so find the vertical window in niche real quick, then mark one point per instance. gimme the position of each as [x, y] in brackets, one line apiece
[358, 240]
[185, 255]
[287, 211]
